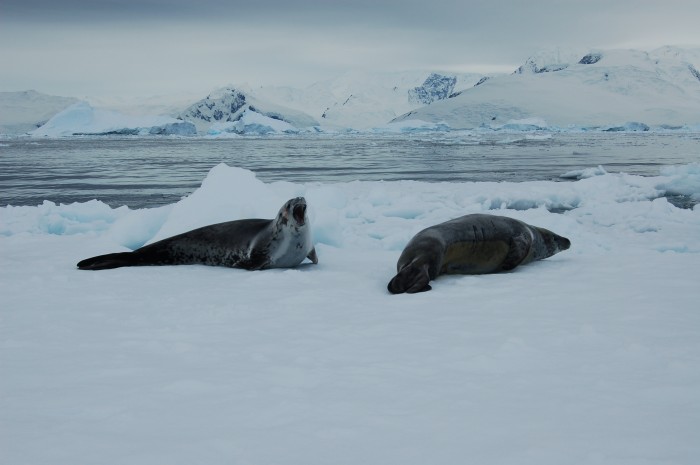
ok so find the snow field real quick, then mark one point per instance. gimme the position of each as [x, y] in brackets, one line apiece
[588, 357]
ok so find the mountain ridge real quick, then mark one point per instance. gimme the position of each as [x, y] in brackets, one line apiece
[601, 88]
[559, 88]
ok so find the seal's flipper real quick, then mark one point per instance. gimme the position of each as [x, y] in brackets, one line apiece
[518, 251]
[313, 257]
[108, 261]
[259, 259]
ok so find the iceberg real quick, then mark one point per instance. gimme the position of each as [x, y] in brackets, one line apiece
[82, 119]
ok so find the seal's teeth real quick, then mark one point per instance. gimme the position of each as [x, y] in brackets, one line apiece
[299, 213]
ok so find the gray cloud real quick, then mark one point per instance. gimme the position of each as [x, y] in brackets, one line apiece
[80, 47]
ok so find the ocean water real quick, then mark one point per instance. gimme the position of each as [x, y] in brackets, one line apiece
[152, 171]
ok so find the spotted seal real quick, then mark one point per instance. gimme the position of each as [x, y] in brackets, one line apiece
[251, 244]
[471, 244]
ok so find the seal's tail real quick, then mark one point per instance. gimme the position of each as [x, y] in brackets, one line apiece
[106, 262]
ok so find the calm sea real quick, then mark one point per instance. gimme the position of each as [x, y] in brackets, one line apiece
[148, 172]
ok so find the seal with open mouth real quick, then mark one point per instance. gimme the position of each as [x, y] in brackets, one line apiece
[251, 244]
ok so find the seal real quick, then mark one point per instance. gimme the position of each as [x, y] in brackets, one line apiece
[251, 244]
[471, 244]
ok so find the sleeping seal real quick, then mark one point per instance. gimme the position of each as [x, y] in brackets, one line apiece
[471, 244]
[252, 244]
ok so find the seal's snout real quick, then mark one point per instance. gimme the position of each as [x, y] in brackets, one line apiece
[294, 209]
[411, 279]
[563, 243]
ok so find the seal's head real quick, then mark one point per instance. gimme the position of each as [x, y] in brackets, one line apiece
[412, 278]
[562, 243]
[291, 240]
[553, 243]
[293, 214]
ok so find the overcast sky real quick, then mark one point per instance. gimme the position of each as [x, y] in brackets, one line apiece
[139, 48]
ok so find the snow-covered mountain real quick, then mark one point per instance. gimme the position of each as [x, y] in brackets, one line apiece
[596, 89]
[21, 112]
[229, 105]
[435, 87]
[362, 100]
[355, 100]
[579, 88]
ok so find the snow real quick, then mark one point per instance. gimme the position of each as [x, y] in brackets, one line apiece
[584, 173]
[81, 118]
[359, 100]
[354, 101]
[588, 357]
[559, 90]
[624, 90]
[411, 125]
[229, 105]
[251, 122]
[525, 124]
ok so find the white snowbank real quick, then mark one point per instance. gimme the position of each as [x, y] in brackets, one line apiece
[683, 180]
[591, 356]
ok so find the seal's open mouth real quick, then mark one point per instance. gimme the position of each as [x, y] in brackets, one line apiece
[299, 212]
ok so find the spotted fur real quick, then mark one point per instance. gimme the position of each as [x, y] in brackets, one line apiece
[251, 244]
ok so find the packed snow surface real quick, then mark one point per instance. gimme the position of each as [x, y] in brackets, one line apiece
[589, 357]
